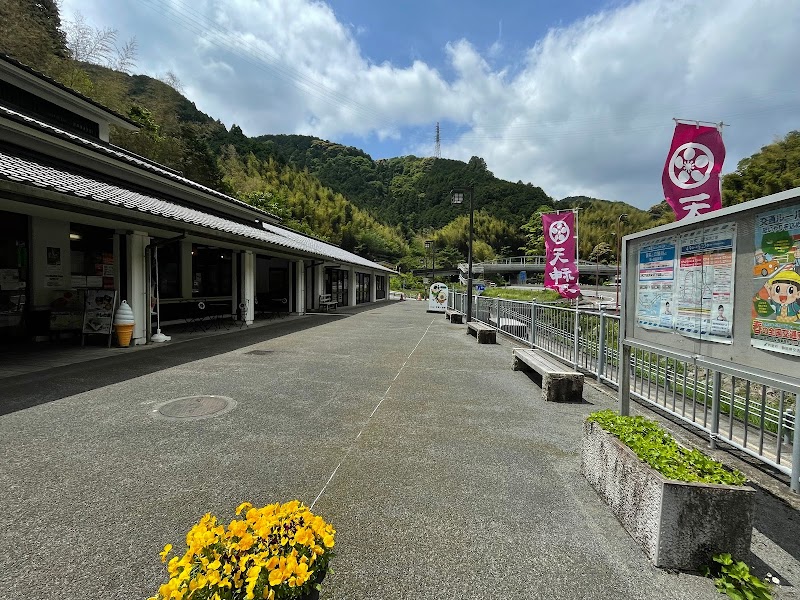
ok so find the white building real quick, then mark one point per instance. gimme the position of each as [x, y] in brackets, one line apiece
[78, 215]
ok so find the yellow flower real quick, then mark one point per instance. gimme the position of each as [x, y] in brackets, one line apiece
[328, 541]
[172, 566]
[163, 554]
[275, 577]
[243, 506]
[237, 528]
[246, 542]
[214, 577]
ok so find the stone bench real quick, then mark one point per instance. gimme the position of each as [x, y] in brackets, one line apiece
[559, 382]
[485, 334]
[454, 316]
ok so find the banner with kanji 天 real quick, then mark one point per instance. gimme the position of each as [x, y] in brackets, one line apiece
[691, 173]
[561, 269]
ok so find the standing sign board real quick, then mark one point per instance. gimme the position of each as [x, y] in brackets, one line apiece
[437, 298]
[98, 314]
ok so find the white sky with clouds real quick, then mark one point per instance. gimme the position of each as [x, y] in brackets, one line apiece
[580, 102]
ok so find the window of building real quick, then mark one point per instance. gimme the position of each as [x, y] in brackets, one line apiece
[362, 288]
[212, 271]
[380, 287]
[337, 285]
[13, 272]
[91, 256]
[169, 270]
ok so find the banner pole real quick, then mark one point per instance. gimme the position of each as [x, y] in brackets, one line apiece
[578, 269]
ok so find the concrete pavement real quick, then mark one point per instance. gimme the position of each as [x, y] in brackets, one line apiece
[444, 473]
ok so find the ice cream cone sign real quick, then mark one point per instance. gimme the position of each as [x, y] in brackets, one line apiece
[123, 324]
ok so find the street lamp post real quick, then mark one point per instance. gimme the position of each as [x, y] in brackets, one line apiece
[457, 197]
[431, 245]
[618, 282]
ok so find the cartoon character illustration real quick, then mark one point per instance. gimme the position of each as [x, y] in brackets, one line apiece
[764, 265]
[667, 310]
[783, 292]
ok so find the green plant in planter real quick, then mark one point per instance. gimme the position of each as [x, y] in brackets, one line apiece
[658, 448]
[735, 579]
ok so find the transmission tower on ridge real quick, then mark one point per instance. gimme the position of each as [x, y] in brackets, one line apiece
[437, 151]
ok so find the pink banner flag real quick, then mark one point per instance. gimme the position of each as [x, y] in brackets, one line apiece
[561, 270]
[691, 173]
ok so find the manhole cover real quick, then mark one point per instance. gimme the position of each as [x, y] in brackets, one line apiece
[192, 408]
[260, 352]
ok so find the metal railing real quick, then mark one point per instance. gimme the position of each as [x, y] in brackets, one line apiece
[731, 404]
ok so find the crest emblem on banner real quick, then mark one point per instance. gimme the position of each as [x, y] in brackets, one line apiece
[561, 268]
[691, 173]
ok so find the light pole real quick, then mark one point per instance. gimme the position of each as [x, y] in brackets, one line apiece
[457, 197]
[618, 282]
[431, 245]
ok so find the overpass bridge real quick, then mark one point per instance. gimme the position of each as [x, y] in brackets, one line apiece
[510, 268]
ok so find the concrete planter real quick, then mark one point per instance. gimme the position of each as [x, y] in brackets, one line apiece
[679, 525]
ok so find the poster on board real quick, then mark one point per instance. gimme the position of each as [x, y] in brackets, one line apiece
[99, 311]
[705, 283]
[776, 281]
[655, 285]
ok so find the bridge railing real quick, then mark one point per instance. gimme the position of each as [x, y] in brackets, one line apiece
[729, 404]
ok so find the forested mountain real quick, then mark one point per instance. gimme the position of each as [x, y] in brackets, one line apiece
[409, 191]
[773, 169]
[382, 209]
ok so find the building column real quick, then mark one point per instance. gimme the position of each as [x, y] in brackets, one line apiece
[319, 279]
[138, 286]
[300, 286]
[373, 287]
[351, 291]
[249, 285]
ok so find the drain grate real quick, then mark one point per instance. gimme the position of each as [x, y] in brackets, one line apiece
[260, 352]
[193, 408]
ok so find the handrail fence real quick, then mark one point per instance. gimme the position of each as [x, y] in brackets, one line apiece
[729, 403]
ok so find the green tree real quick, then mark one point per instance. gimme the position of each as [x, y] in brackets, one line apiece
[773, 169]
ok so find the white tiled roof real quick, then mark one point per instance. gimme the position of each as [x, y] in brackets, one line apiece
[120, 154]
[29, 172]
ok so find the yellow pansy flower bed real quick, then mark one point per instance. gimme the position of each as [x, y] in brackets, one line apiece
[275, 552]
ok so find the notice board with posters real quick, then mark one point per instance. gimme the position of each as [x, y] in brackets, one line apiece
[725, 286]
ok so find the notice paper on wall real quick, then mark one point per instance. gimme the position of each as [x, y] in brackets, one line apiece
[655, 285]
[705, 283]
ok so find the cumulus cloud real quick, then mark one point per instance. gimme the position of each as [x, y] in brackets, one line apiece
[586, 110]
